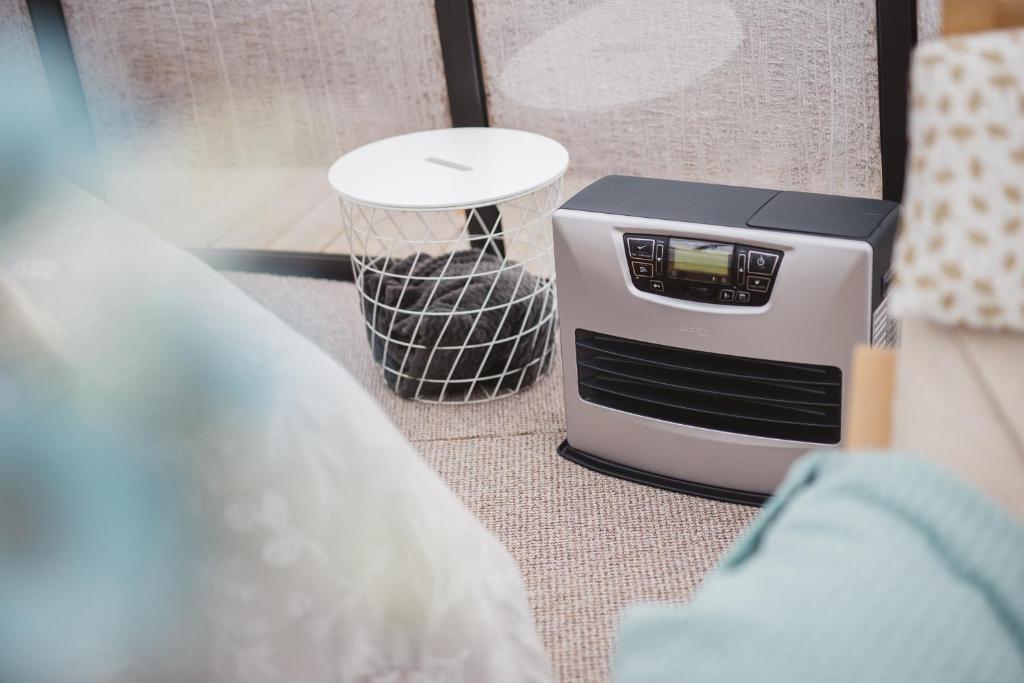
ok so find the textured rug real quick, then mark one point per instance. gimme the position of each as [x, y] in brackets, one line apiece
[587, 544]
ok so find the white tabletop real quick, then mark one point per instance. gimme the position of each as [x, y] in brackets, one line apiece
[451, 168]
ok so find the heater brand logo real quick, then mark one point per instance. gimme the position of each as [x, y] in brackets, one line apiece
[690, 329]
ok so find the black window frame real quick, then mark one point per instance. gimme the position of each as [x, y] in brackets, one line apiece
[467, 101]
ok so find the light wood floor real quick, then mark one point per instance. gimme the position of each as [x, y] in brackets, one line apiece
[282, 208]
[258, 207]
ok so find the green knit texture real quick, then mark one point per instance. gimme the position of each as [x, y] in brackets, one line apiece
[863, 567]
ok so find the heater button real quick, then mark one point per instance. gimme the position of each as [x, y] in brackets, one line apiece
[640, 247]
[642, 269]
[762, 263]
[743, 297]
[757, 284]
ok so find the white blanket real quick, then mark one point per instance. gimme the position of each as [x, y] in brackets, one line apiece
[287, 531]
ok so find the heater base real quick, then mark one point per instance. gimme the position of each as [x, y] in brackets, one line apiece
[592, 462]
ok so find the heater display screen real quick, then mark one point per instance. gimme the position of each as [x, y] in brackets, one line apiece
[701, 261]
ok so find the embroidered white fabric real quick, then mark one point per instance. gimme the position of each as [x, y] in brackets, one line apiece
[320, 547]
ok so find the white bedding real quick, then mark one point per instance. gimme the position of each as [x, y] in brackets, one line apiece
[290, 532]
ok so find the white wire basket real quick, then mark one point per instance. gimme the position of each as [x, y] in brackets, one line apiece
[459, 305]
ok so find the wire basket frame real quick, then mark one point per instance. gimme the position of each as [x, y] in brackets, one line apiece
[459, 305]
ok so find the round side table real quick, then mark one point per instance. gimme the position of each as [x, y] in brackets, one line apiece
[450, 236]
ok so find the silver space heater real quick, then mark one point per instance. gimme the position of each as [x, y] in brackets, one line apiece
[707, 330]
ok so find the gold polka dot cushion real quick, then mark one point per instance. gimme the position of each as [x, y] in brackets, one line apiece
[960, 256]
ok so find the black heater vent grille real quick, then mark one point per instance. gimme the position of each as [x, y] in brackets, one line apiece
[794, 401]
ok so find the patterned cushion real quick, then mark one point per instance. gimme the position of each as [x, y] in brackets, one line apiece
[961, 252]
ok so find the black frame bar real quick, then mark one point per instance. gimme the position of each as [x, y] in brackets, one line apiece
[298, 263]
[897, 35]
[467, 99]
[456, 23]
[460, 52]
[69, 102]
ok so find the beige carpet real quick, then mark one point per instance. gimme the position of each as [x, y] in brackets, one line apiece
[587, 544]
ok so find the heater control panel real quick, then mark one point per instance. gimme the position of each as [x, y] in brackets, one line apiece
[702, 270]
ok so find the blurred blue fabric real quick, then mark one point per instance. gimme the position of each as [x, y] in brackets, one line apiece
[93, 541]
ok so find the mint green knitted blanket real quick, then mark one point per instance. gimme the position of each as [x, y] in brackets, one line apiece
[873, 567]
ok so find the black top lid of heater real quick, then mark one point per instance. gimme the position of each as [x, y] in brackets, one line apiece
[735, 207]
[822, 214]
[671, 200]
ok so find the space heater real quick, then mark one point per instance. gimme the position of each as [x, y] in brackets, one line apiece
[707, 330]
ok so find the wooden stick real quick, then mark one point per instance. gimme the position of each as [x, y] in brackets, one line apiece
[970, 16]
[869, 416]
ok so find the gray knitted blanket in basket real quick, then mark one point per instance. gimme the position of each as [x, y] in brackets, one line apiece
[437, 323]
